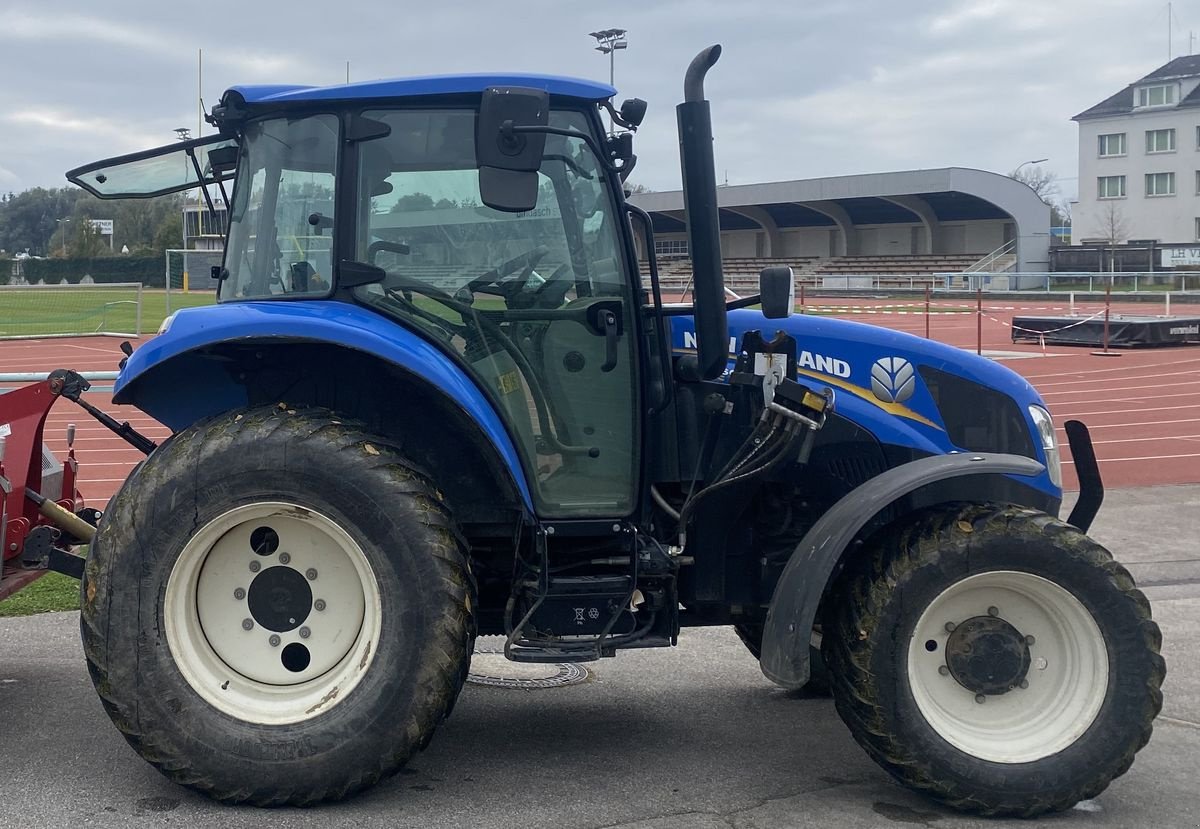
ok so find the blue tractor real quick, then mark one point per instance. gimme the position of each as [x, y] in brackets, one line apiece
[435, 400]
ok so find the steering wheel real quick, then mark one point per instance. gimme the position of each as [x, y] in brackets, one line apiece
[552, 292]
[498, 279]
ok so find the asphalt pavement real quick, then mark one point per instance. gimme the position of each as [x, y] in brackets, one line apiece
[688, 737]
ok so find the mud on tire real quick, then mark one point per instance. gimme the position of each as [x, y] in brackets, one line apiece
[370, 506]
[943, 559]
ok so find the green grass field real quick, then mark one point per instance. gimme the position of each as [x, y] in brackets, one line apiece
[85, 309]
[52, 591]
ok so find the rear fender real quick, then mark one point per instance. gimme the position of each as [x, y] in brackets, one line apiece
[793, 609]
[174, 378]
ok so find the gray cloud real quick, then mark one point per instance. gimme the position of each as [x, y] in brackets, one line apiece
[802, 90]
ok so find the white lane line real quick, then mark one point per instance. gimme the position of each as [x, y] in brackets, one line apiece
[1069, 413]
[1142, 458]
[1193, 382]
[1109, 370]
[1137, 423]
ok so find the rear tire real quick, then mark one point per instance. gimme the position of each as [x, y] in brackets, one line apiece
[277, 608]
[939, 675]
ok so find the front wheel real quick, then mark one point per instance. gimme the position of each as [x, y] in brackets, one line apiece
[994, 658]
[277, 608]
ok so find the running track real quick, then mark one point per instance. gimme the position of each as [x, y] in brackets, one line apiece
[1143, 407]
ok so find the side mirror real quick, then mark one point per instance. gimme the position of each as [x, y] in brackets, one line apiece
[777, 287]
[507, 152]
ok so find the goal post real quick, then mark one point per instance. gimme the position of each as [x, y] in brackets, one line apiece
[187, 277]
[49, 311]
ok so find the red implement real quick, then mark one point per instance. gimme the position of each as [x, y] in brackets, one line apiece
[22, 421]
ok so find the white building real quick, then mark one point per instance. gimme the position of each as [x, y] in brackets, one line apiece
[1139, 160]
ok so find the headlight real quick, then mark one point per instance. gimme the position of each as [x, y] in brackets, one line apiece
[165, 326]
[1045, 429]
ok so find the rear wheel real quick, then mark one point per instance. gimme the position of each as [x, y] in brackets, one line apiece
[994, 658]
[277, 608]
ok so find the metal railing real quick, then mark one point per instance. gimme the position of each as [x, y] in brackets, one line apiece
[1141, 282]
[988, 263]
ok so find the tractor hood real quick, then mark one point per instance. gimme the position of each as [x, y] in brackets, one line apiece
[896, 385]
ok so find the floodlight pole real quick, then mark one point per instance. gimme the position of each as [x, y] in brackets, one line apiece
[610, 40]
[64, 235]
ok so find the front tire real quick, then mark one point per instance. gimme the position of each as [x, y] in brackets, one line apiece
[995, 659]
[277, 608]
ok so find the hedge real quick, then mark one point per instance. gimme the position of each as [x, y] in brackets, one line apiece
[103, 270]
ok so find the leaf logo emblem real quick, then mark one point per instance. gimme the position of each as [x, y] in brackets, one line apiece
[893, 379]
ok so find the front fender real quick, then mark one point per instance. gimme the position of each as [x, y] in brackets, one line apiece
[193, 388]
[793, 609]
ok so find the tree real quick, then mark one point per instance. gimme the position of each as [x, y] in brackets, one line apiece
[169, 233]
[1042, 182]
[1114, 228]
[87, 242]
[1045, 184]
[635, 188]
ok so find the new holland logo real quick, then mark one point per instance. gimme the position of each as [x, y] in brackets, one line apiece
[893, 379]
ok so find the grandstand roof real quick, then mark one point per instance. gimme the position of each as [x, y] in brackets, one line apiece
[948, 194]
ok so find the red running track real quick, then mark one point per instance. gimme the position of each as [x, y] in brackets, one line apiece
[1143, 407]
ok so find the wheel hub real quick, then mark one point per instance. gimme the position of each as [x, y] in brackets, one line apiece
[987, 655]
[279, 599]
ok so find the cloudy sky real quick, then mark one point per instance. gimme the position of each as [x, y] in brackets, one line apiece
[804, 89]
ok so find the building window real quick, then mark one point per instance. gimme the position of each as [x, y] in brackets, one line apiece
[1160, 184]
[670, 247]
[1156, 96]
[1160, 141]
[1198, 230]
[1198, 182]
[1114, 144]
[1111, 187]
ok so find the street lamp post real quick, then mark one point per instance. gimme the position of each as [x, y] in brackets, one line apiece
[64, 235]
[610, 40]
[1023, 163]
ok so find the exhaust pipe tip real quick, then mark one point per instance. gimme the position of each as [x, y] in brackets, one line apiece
[693, 79]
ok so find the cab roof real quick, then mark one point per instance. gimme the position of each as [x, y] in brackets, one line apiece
[414, 87]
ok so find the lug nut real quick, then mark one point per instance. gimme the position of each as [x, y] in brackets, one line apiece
[980, 698]
[943, 670]
[1029, 640]
[284, 558]
[274, 640]
[319, 604]
[247, 624]
[950, 626]
[993, 611]
[311, 574]
[255, 567]
[239, 594]
[1024, 683]
[305, 633]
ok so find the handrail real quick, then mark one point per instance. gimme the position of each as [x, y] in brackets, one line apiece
[988, 262]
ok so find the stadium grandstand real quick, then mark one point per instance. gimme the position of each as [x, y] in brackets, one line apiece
[892, 226]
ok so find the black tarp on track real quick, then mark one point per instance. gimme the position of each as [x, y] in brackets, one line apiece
[1124, 330]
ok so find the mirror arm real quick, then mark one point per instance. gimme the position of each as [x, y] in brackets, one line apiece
[587, 139]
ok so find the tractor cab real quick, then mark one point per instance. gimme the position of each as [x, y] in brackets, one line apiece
[484, 214]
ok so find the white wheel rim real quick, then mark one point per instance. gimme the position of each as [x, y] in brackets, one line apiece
[1066, 681]
[240, 634]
